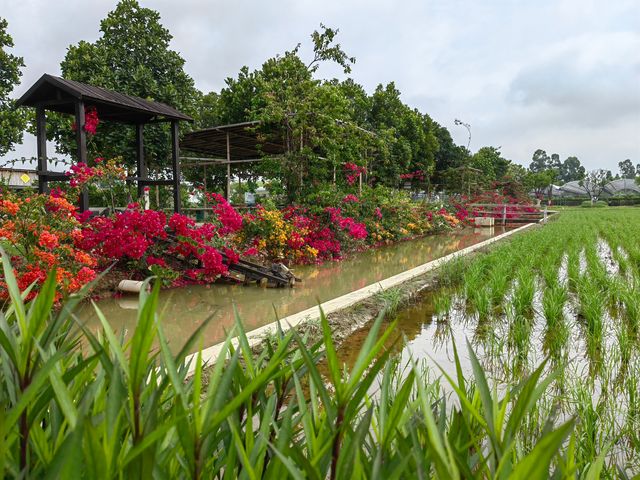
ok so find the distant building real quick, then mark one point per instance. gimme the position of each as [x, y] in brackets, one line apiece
[18, 178]
[615, 188]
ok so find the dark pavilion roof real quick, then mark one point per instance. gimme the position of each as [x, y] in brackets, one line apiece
[59, 94]
[244, 142]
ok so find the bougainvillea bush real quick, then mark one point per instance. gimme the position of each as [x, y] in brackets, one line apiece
[41, 232]
[174, 248]
[333, 222]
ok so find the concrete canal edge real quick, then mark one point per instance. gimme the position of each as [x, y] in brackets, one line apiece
[255, 337]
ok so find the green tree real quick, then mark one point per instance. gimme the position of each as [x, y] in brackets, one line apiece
[540, 182]
[132, 56]
[627, 170]
[12, 121]
[540, 161]
[571, 170]
[490, 162]
[407, 138]
[311, 117]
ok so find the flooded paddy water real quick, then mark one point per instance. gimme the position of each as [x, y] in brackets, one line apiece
[567, 294]
[184, 309]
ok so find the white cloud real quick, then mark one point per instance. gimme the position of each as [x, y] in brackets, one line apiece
[559, 75]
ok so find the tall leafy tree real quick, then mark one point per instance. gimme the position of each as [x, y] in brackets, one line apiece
[131, 56]
[571, 170]
[305, 112]
[12, 121]
[627, 170]
[408, 140]
[491, 163]
[540, 161]
[540, 182]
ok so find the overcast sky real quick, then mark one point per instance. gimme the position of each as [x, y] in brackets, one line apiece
[561, 75]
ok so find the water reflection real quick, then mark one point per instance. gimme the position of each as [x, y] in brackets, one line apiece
[184, 309]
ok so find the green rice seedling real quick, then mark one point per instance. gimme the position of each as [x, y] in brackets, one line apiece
[519, 337]
[630, 297]
[625, 344]
[523, 293]
[473, 279]
[573, 270]
[590, 432]
[591, 311]
[452, 273]
[549, 273]
[442, 303]
[482, 303]
[499, 281]
[632, 387]
[557, 330]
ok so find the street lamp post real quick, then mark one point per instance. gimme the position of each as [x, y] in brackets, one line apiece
[467, 126]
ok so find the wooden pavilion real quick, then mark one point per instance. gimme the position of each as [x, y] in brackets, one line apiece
[71, 97]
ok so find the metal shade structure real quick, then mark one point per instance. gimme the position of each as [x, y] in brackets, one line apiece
[230, 144]
[68, 96]
[243, 142]
[622, 186]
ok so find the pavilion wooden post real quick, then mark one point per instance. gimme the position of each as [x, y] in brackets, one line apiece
[228, 189]
[175, 159]
[141, 165]
[81, 150]
[41, 139]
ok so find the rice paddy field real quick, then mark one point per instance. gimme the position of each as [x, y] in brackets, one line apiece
[567, 293]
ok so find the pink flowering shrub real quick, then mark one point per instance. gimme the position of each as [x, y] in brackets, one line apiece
[146, 239]
[353, 172]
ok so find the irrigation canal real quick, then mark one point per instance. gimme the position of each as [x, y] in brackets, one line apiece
[182, 310]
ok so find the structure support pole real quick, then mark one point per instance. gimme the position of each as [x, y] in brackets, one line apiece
[81, 150]
[41, 136]
[175, 157]
[228, 189]
[141, 165]
[205, 187]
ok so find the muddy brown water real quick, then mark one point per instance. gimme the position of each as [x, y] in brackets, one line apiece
[184, 309]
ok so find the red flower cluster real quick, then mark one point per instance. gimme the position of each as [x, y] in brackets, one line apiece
[325, 242]
[125, 235]
[91, 120]
[351, 198]
[355, 229]
[416, 175]
[353, 172]
[48, 240]
[230, 220]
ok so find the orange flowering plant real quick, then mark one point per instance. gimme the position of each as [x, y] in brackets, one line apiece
[41, 231]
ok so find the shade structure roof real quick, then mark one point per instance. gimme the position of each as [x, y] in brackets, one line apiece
[574, 188]
[622, 186]
[245, 143]
[60, 95]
